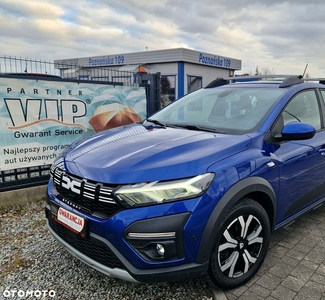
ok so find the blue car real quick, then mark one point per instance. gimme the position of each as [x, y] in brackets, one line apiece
[196, 189]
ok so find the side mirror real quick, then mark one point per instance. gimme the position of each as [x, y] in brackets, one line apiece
[296, 131]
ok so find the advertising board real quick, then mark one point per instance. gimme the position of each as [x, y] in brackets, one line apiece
[40, 118]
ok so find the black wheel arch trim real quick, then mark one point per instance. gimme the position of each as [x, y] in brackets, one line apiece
[231, 197]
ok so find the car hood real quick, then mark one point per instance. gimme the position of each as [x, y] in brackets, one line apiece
[137, 153]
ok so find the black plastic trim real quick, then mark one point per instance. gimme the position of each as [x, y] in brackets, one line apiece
[217, 82]
[291, 81]
[169, 274]
[172, 223]
[232, 196]
[306, 200]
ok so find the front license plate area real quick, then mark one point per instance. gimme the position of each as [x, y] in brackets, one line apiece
[70, 220]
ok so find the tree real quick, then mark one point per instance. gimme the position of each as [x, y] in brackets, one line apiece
[264, 71]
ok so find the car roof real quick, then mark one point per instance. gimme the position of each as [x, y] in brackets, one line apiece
[283, 81]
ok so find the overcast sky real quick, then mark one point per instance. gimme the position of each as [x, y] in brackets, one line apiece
[281, 36]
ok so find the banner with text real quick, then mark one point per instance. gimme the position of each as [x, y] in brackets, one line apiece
[39, 118]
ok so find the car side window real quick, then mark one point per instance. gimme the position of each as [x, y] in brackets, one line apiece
[303, 107]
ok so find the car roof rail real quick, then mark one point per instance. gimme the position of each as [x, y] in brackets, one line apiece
[217, 82]
[258, 77]
[244, 78]
[320, 80]
[292, 80]
[286, 80]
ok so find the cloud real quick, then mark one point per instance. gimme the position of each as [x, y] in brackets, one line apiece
[280, 35]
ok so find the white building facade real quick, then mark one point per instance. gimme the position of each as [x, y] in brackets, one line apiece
[182, 70]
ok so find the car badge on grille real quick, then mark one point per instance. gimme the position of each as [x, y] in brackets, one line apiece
[71, 184]
[82, 187]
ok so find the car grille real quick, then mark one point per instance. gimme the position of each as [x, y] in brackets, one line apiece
[91, 197]
[91, 247]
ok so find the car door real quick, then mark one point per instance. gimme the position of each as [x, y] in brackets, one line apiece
[301, 163]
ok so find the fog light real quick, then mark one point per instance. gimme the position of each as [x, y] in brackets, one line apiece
[160, 249]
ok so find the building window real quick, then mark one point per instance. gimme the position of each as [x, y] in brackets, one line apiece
[167, 89]
[193, 83]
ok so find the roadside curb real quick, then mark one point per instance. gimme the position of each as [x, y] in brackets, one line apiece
[22, 196]
[218, 294]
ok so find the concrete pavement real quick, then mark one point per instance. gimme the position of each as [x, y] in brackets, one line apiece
[294, 267]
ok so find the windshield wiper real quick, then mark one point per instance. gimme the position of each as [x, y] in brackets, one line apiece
[186, 126]
[157, 122]
[198, 128]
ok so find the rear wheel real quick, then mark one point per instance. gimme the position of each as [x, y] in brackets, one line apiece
[241, 245]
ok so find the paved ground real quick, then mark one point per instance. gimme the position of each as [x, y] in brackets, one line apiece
[294, 267]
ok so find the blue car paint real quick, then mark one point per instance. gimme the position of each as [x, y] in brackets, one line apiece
[109, 229]
[146, 152]
[152, 154]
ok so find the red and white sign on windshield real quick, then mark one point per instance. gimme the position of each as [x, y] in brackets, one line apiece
[70, 219]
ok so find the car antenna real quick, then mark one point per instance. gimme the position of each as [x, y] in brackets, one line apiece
[304, 71]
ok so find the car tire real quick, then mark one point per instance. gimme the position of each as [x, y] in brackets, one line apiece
[241, 244]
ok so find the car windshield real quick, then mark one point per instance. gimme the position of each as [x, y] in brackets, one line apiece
[233, 110]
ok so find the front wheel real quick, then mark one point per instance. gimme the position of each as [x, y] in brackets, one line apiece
[241, 245]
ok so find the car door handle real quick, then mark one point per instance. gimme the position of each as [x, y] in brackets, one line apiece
[322, 150]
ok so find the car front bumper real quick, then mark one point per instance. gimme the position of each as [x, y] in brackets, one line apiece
[127, 271]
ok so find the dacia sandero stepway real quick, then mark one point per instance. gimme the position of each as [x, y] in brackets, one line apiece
[198, 187]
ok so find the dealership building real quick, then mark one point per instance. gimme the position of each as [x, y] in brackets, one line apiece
[181, 70]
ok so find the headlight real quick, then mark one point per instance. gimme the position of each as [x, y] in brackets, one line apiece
[163, 191]
[58, 163]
